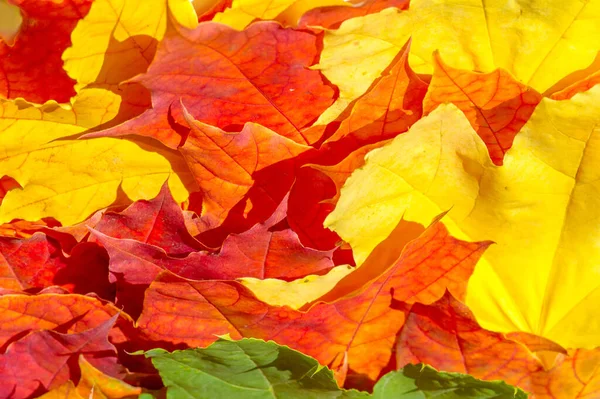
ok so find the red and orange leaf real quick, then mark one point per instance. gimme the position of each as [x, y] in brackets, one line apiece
[21, 228]
[51, 358]
[331, 17]
[29, 263]
[32, 67]
[388, 108]
[535, 343]
[38, 262]
[446, 335]
[86, 272]
[258, 252]
[157, 222]
[307, 209]
[360, 328]
[496, 104]
[270, 186]
[67, 314]
[224, 164]
[576, 375]
[265, 251]
[71, 235]
[227, 78]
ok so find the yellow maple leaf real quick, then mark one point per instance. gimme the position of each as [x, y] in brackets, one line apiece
[70, 179]
[64, 391]
[540, 42]
[296, 293]
[94, 384]
[117, 39]
[243, 12]
[541, 209]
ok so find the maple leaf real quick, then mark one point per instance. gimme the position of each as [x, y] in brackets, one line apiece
[268, 252]
[93, 385]
[467, 348]
[388, 108]
[262, 132]
[242, 12]
[225, 164]
[265, 68]
[360, 329]
[29, 263]
[446, 335]
[70, 179]
[258, 252]
[113, 43]
[495, 103]
[308, 208]
[543, 196]
[538, 49]
[21, 228]
[67, 314]
[158, 222]
[96, 384]
[314, 194]
[331, 16]
[65, 391]
[48, 356]
[38, 262]
[299, 293]
[32, 66]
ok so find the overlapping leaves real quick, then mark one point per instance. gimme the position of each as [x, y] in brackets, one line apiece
[167, 168]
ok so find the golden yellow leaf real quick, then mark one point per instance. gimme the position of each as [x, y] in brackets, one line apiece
[117, 39]
[243, 12]
[296, 293]
[184, 13]
[65, 391]
[539, 41]
[354, 55]
[70, 179]
[291, 15]
[541, 209]
[94, 384]
[205, 6]
[92, 107]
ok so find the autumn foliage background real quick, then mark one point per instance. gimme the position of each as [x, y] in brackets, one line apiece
[373, 184]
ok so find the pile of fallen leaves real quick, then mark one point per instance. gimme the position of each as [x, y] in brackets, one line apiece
[217, 199]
